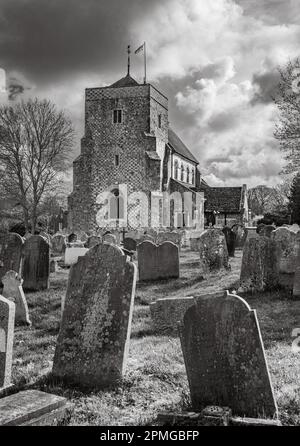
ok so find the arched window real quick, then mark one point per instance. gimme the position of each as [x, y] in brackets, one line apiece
[187, 174]
[176, 170]
[193, 176]
[182, 173]
[116, 205]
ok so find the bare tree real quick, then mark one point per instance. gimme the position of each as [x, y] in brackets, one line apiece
[35, 142]
[259, 199]
[287, 129]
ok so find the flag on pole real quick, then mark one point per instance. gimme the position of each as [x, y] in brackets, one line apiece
[140, 48]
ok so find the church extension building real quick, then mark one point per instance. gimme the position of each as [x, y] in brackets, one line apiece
[129, 148]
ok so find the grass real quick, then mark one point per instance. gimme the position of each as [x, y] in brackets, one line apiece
[155, 379]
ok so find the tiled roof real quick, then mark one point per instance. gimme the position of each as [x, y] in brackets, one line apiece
[126, 81]
[223, 199]
[179, 147]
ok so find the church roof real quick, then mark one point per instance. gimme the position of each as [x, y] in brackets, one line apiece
[126, 81]
[179, 147]
[223, 199]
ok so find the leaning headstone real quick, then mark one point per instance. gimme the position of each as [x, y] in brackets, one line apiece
[7, 323]
[58, 245]
[36, 264]
[224, 357]
[287, 252]
[213, 250]
[11, 246]
[296, 288]
[92, 241]
[93, 341]
[73, 253]
[157, 262]
[167, 312]
[109, 238]
[129, 244]
[230, 237]
[13, 291]
[260, 269]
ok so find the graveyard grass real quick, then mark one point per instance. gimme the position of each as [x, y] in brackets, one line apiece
[155, 379]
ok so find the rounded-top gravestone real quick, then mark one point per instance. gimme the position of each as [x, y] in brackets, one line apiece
[11, 246]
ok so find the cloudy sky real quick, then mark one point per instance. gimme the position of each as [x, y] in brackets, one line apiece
[216, 60]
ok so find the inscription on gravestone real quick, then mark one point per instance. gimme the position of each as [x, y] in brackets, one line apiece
[224, 357]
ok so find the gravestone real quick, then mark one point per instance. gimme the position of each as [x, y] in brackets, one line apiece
[36, 264]
[92, 241]
[296, 288]
[167, 312]
[224, 357]
[53, 265]
[157, 262]
[146, 238]
[213, 250]
[266, 230]
[58, 245]
[169, 237]
[46, 236]
[241, 235]
[11, 246]
[130, 244]
[13, 291]
[72, 238]
[230, 237]
[7, 323]
[109, 238]
[260, 269]
[73, 253]
[287, 252]
[93, 341]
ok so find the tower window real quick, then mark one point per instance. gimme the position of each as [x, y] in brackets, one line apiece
[159, 121]
[117, 116]
[117, 160]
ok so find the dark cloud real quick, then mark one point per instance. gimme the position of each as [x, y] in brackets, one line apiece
[266, 85]
[50, 39]
[272, 11]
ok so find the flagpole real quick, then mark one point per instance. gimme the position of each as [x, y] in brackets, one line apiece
[145, 64]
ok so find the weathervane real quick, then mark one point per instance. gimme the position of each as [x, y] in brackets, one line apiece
[128, 51]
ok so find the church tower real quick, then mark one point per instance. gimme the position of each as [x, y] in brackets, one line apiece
[126, 133]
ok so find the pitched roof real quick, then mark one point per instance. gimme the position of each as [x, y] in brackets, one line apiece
[126, 81]
[179, 147]
[223, 199]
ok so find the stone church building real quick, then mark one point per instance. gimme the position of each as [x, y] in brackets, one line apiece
[133, 170]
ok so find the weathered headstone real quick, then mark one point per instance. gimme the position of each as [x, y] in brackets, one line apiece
[224, 357]
[109, 238]
[58, 245]
[36, 264]
[7, 323]
[169, 237]
[260, 269]
[157, 262]
[166, 313]
[93, 341]
[72, 238]
[296, 288]
[129, 244]
[46, 236]
[13, 291]
[92, 241]
[213, 250]
[241, 235]
[230, 237]
[287, 252]
[73, 253]
[11, 246]
[266, 230]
